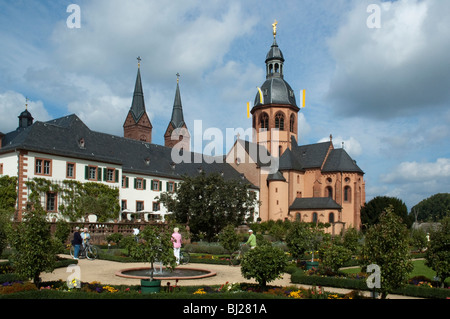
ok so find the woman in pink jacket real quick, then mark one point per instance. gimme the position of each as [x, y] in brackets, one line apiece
[176, 239]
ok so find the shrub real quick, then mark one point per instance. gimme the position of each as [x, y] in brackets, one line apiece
[10, 288]
[264, 264]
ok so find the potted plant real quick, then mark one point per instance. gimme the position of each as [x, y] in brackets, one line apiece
[154, 246]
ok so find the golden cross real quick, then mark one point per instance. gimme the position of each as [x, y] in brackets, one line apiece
[139, 61]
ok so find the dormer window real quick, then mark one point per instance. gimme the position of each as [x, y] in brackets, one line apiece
[81, 143]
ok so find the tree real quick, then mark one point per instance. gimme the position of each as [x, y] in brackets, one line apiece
[371, 211]
[209, 202]
[387, 245]
[432, 209]
[155, 246]
[335, 256]
[264, 263]
[8, 194]
[438, 253]
[229, 239]
[33, 247]
[350, 240]
[303, 237]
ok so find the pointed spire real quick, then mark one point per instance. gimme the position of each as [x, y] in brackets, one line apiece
[138, 104]
[177, 119]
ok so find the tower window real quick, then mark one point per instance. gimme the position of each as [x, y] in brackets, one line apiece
[329, 192]
[292, 123]
[279, 121]
[347, 194]
[264, 122]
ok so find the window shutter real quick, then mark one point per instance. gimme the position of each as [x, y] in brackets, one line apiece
[86, 172]
[167, 186]
[99, 173]
[151, 184]
[127, 182]
[117, 176]
[160, 186]
[104, 174]
[135, 183]
[145, 183]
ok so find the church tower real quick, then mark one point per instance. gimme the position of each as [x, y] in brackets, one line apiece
[275, 111]
[177, 134]
[137, 124]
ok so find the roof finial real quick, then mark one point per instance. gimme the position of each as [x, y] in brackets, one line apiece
[331, 137]
[178, 77]
[274, 26]
[139, 61]
[26, 103]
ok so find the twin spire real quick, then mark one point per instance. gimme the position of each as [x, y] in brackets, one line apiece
[137, 124]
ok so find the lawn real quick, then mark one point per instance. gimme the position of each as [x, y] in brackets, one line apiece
[419, 270]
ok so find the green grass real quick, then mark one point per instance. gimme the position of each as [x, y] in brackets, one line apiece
[419, 270]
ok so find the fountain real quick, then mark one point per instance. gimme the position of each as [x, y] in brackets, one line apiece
[165, 274]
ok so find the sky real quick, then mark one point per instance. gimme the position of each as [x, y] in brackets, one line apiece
[376, 73]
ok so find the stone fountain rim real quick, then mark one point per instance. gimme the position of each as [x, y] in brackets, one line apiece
[209, 273]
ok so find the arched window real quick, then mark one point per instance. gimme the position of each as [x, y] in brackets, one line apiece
[331, 218]
[329, 191]
[298, 217]
[347, 194]
[264, 122]
[314, 218]
[277, 68]
[279, 121]
[292, 123]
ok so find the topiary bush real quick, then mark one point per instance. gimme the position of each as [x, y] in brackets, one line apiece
[263, 263]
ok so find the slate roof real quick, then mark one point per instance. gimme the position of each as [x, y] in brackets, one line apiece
[258, 153]
[310, 203]
[177, 118]
[138, 105]
[62, 137]
[311, 156]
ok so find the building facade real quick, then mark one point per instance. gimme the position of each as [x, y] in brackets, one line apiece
[310, 183]
[66, 149]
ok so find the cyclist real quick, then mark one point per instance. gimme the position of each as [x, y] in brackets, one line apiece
[251, 239]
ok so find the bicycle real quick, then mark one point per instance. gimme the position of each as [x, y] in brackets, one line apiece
[235, 258]
[89, 251]
[185, 257]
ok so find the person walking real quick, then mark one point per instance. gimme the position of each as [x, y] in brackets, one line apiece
[176, 239]
[76, 242]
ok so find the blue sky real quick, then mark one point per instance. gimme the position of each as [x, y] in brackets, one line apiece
[383, 91]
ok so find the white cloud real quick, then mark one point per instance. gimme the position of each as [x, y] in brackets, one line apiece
[416, 172]
[13, 103]
[398, 69]
[351, 145]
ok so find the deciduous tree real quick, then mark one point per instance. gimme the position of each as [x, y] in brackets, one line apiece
[387, 245]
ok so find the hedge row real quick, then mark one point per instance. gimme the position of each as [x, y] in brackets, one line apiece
[357, 284]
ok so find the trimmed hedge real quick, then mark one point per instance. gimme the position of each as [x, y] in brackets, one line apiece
[299, 277]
